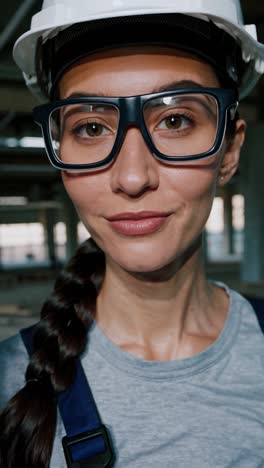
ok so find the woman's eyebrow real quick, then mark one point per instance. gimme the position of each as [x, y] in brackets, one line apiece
[167, 87]
[178, 85]
[77, 95]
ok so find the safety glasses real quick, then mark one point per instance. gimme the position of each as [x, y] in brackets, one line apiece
[86, 133]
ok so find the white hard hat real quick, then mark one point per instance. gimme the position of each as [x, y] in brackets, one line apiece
[58, 15]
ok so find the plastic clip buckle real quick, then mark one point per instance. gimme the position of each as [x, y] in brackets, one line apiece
[100, 460]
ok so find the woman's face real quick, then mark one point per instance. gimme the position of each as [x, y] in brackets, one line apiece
[143, 214]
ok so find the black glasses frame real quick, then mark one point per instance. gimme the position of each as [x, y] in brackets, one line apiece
[131, 114]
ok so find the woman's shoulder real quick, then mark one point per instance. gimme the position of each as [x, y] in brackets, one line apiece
[240, 299]
[13, 363]
[251, 312]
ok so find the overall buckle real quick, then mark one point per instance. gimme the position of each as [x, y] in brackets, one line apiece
[104, 459]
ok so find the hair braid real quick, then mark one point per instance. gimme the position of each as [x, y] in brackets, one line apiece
[28, 422]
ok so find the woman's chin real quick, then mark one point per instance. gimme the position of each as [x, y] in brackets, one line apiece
[149, 263]
[153, 259]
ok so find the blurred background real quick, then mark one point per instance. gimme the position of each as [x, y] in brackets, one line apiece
[39, 229]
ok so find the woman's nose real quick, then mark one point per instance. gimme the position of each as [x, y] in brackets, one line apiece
[135, 170]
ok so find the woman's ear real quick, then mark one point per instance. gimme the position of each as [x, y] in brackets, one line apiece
[230, 158]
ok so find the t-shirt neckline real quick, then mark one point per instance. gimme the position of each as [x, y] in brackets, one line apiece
[177, 369]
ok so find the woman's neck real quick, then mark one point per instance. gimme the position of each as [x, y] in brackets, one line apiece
[170, 318]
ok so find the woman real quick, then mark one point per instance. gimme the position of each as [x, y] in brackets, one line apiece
[143, 125]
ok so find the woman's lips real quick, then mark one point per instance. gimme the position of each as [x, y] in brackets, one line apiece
[139, 223]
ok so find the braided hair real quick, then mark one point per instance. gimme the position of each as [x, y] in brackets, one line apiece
[28, 422]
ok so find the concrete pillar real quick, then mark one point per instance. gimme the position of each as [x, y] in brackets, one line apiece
[50, 224]
[48, 218]
[253, 188]
[70, 218]
[228, 224]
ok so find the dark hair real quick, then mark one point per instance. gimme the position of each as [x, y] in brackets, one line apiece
[28, 422]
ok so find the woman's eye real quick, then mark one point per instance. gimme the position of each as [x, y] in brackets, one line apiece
[175, 122]
[90, 130]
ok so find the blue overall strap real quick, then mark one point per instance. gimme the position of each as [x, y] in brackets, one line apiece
[258, 306]
[87, 444]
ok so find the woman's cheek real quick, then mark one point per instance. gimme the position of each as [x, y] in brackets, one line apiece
[85, 191]
[194, 188]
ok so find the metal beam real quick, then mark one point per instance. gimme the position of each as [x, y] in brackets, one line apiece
[16, 99]
[10, 73]
[27, 169]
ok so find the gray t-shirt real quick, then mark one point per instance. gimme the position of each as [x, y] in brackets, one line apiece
[206, 411]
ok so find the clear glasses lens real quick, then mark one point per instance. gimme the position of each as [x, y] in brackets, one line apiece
[182, 125]
[83, 133]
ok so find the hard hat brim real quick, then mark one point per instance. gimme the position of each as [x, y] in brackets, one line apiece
[25, 47]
